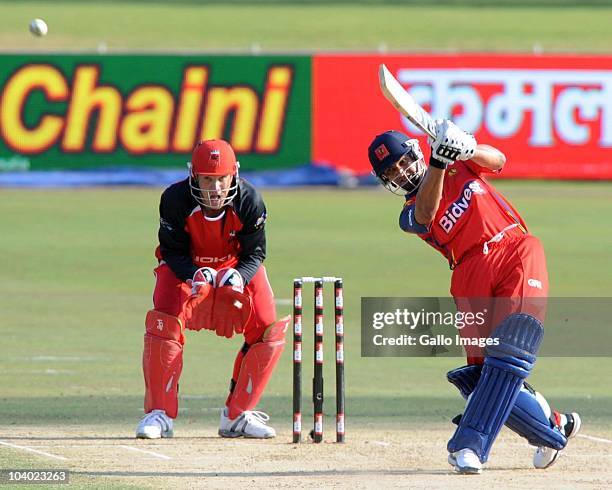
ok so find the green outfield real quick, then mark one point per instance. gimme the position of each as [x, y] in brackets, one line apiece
[474, 25]
[76, 282]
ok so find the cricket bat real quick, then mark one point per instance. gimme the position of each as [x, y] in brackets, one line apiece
[404, 103]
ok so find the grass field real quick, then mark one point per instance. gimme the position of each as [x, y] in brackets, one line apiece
[474, 25]
[76, 281]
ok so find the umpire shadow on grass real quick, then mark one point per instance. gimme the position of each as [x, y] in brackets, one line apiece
[361, 411]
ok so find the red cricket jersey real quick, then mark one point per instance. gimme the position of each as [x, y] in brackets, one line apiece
[189, 240]
[213, 240]
[471, 212]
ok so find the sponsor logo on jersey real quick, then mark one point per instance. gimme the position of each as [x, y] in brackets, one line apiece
[212, 260]
[457, 209]
[165, 224]
[535, 283]
[260, 221]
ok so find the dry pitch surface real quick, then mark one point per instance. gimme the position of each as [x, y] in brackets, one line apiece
[371, 458]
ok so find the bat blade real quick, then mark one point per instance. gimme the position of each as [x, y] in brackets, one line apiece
[404, 103]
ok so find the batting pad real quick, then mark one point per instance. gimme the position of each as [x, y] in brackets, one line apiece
[506, 365]
[530, 416]
[465, 378]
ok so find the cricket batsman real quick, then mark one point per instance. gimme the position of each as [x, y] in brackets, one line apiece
[210, 276]
[452, 207]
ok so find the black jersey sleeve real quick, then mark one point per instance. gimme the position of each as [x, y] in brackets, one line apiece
[174, 241]
[251, 211]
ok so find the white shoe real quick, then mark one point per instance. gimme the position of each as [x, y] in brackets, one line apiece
[154, 425]
[545, 457]
[247, 424]
[466, 462]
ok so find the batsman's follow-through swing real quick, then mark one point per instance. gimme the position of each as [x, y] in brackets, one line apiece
[451, 206]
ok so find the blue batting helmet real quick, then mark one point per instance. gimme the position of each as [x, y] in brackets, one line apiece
[386, 151]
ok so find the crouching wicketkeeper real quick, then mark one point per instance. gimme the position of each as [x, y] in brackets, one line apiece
[210, 276]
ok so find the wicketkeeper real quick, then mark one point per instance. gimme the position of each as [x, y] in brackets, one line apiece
[210, 276]
[495, 262]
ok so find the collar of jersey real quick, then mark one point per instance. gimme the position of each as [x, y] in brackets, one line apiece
[215, 218]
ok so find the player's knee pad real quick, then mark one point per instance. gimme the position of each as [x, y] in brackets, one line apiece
[162, 362]
[507, 363]
[517, 340]
[277, 330]
[163, 325]
[257, 366]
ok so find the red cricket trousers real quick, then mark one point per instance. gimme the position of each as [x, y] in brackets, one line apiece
[510, 278]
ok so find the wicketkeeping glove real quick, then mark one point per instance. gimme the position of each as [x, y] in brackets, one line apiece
[199, 306]
[233, 307]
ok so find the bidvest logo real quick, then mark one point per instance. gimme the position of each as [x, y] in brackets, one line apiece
[42, 107]
[454, 212]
